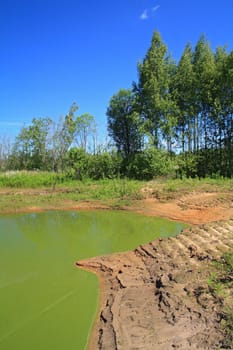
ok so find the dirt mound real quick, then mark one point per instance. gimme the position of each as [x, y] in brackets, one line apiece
[157, 296]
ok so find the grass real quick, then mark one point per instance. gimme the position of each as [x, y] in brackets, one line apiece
[221, 286]
[36, 179]
[22, 190]
[30, 179]
[171, 188]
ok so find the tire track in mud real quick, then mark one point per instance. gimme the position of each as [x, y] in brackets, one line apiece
[156, 297]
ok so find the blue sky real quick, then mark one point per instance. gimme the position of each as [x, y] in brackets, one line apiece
[56, 52]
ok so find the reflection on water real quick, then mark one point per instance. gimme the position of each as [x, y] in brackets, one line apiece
[46, 303]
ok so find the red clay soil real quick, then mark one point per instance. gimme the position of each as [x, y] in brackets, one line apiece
[194, 208]
[157, 296]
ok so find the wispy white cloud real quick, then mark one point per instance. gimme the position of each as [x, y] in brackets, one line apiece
[144, 15]
[155, 8]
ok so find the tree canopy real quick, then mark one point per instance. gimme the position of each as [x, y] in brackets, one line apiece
[186, 107]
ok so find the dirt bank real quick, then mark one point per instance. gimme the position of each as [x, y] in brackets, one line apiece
[157, 297]
[193, 208]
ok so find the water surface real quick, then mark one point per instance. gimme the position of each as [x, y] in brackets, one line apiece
[47, 303]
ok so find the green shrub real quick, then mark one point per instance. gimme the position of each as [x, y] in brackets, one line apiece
[149, 164]
[105, 165]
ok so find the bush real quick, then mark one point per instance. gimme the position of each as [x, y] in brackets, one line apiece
[77, 164]
[149, 164]
[105, 165]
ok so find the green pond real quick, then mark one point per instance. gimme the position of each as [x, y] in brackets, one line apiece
[46, 302]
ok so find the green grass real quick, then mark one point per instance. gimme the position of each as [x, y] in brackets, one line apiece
[21, 190]
[30, 179]
[206, 184]
[108, 191]
[170, 188]
[98, 189]
[36, 179]
[221, 286]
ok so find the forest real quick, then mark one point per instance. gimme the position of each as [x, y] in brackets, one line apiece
[176, 120]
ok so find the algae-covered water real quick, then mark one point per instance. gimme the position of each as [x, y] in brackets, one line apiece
[47, 303]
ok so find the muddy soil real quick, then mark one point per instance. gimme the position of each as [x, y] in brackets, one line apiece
[157, 296]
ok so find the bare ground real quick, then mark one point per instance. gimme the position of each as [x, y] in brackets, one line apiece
[157, 296]
[193, 208]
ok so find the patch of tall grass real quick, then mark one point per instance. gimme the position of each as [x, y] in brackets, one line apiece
[30, 179]
[221, 285]
[60, 188]
[193, 184]
[105, 190]
[121, 189]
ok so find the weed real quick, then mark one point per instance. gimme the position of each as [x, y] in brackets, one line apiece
[221, 285]
[30, 179]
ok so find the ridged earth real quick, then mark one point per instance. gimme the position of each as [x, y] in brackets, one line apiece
[157, 296]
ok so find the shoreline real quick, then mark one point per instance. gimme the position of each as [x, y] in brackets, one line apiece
[155, 291]
[92, 336]
[171, 210]
[195, 210]
[188, 216]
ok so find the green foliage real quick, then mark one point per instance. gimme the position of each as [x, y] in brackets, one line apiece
[226, 268]
[183, 93]
[114, 193]
[124, 123]
[30, 148]
[189, 105]
[82, 165]
[221, 284]
[115, 190]
[77, 163]
[105, 165]
[62, 139]
[154, 99]
[187, 165]
[85, 127]
[149, 164]
[165, 188]
[30, 179]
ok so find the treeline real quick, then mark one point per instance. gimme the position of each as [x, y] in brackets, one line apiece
[176, 119]
[45, 145]
[70, 148]
[185, 108]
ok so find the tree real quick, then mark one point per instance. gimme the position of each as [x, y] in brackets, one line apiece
[204, 73]
[124, 123]
[31, 145]
[5, 151]
[85, 128]
[183, 92]
[63, 137]
[224, 111]
[154, 99]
